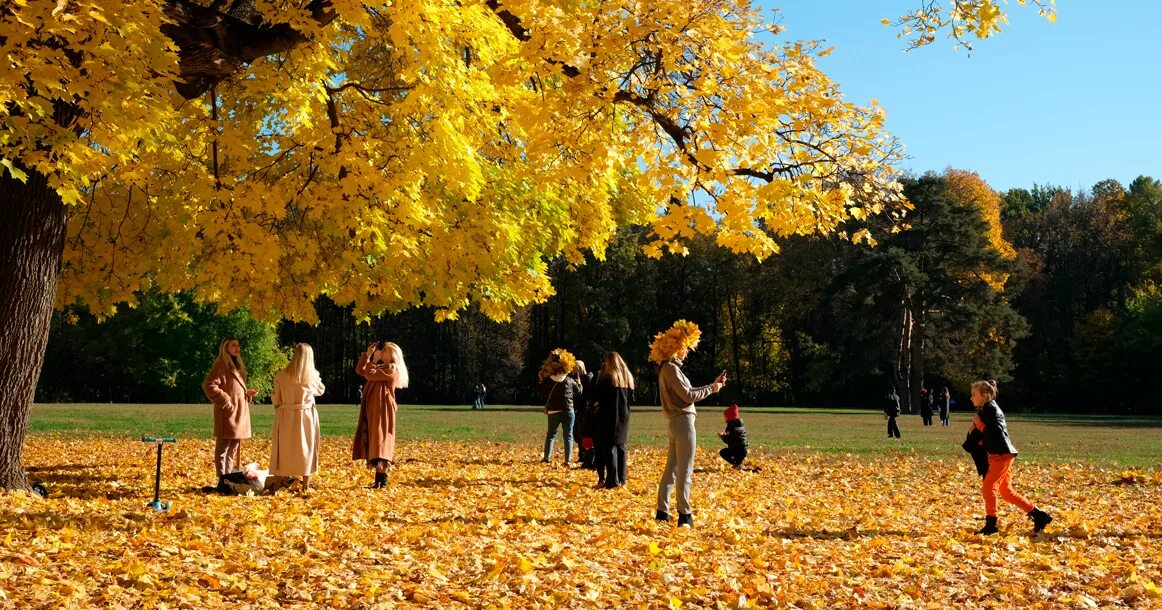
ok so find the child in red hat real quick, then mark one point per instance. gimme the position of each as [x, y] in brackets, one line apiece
[735, 438]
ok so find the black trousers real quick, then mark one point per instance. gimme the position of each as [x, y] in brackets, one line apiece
[611, 465]
[893, 428]
[733, 456]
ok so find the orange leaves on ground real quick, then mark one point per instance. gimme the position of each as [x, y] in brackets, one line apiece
[488, 526]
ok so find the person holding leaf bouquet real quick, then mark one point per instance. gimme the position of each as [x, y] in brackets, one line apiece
[225, 386]
[559, 389]
[383, 367]
[669, 350]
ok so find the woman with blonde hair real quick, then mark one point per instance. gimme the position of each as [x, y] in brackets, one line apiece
[613, 395]
[383, 367]
[294, 446]
[225, 386]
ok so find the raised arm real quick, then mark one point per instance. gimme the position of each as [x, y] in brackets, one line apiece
[677, 383]
[380, 373]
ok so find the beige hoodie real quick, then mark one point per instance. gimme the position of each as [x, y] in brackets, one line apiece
[677, 395]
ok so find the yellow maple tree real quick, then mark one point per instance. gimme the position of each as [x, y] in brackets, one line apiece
[436, 152]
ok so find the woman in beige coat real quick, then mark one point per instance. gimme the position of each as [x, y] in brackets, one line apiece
[225, 386]
[294, 446]
[383, 367]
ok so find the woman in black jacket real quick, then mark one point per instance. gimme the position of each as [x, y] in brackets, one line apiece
[613, 395]
[990, 421]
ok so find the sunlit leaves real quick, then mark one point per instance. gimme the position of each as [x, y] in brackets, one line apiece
[964, 19]
[435, 152]
[488, 526]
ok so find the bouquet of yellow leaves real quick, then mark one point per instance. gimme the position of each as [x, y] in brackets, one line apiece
[559, 361]
[682, 336]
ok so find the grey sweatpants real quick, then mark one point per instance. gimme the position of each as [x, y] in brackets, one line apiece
[679, 463]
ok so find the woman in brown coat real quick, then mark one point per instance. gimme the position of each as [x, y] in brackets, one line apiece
[383, 367]
[225, 386]
[294, 446]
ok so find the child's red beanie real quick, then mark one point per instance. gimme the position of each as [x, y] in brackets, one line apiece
[730, 413]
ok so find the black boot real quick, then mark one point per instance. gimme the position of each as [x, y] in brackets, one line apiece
[1040, 519]
[380, 480]
[686, 519]
[222, 487]
[990, 526]
[662, 516]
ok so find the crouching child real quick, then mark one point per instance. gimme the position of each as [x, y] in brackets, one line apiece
[735, 438]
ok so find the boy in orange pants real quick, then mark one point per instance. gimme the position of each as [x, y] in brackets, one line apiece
[990, 421]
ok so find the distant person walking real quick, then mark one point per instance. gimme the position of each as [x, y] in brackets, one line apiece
[294, 446]
[225, 386]
[613, 394]
[943, 399]
[892, 411]
[669, 350]
[383, 367]
[559, 389]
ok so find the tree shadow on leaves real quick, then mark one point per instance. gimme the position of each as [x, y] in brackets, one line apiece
[79, 481]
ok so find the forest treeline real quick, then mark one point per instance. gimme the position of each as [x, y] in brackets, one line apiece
[1053, 292]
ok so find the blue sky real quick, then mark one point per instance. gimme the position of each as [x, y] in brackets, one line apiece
[1067, 103]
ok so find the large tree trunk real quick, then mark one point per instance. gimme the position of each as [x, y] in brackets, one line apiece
[32, 237]
[917, 377]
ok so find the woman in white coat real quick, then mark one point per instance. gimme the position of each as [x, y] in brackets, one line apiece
[294, 448]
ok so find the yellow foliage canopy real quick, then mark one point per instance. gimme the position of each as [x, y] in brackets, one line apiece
[432, 152]
[963, 19]
[970, 188]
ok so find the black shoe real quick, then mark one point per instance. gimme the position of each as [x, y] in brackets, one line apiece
[662, 516]
[990, 526]
[223, 488]
[686, 519]
[380, 480]
[39, 489]
[1040, 519]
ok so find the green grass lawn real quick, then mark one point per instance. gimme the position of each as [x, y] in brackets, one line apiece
[1112, 441]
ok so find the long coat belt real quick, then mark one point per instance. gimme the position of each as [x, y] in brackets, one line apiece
[302, 406]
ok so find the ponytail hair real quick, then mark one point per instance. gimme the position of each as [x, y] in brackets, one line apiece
[986, 387]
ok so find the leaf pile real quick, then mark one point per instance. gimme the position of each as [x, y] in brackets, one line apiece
[488, 526]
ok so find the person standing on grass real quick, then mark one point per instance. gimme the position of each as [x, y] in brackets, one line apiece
[990, 422]
[225, 386]
[669, 350]
[478, 396]
[892, 411]
[926, 406]
[294, 446]
[942, 402]
[383, 367]
[559, 389]
[612, 397]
